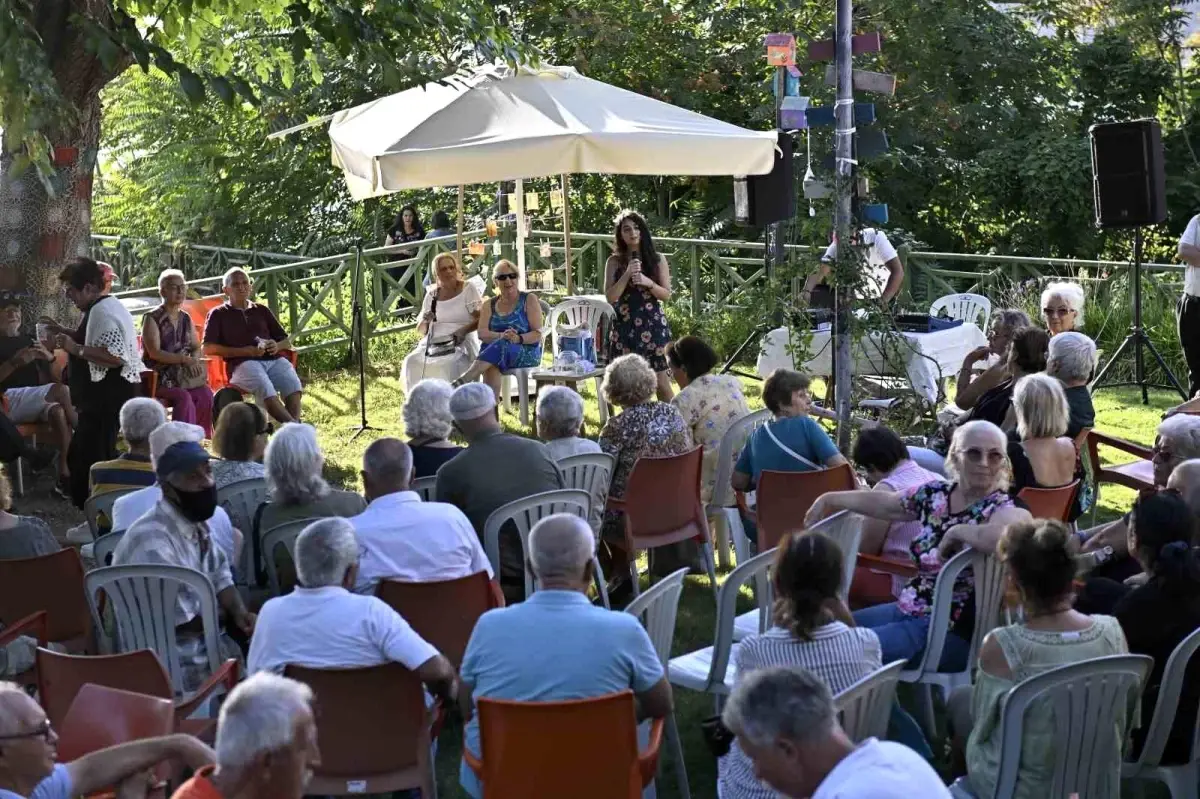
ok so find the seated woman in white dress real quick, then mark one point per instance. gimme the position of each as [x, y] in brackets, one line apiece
[451, 307]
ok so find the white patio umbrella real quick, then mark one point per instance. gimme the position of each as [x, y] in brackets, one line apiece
[498, 123]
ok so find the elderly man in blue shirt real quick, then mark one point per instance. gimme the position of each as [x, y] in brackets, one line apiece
[557, 645]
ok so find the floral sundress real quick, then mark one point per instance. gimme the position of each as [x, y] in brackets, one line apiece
[640, 327]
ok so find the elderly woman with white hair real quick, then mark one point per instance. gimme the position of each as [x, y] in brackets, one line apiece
[560, 418]
[971, 386]
[1062, 307]
[1072, 359]
[173, 351]
[971, 510]
[428, 423]
[1042, 457]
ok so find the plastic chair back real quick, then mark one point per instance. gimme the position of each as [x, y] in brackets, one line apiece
[198, 310]
[60, 677]
[658, 608]
[525, 513]
[102, 503]
[142, 598]
[282, 535]
[784, 498]
[662, 501]
[582, 748]
[53, 583]
[845, 528]
[100, 717]
[426, 487]
[590, 472]
[241, 500]
[757, 568]
[974, 308]
[578, 311]
[105, 546]
[443, 613]
[731, 447]
[1167, 705]
[866, 706]
[1091, 700]
[1050, 503]
[373, 730]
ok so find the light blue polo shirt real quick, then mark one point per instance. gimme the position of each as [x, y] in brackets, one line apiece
[56, 786]
[555, 645]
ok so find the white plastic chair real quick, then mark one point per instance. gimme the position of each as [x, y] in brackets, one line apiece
[845, 528]
[1182, 780]
[241, 500]
[426, 487]
[590, 472]
[522, 375]
[967, 307]
[722, 507]
[103, 502]
[1088, 699]
[579, 311]
[142, 597]
[658, 608]
[708, 669]
[282, 535]
[104, 546]
[866, 706]
[989, 575]
[527, 512]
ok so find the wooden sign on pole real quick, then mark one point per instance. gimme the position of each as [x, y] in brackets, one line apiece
[877, 82]
[862, 43]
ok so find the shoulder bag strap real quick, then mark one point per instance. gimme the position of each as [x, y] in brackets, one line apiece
[789, 450]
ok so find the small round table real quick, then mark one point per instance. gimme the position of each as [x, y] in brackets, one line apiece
[550, 377]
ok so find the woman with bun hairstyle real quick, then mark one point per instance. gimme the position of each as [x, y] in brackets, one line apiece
[812, 628]
[1041, 580]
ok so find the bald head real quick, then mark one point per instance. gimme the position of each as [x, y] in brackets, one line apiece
[387, 467]
[1186, 480]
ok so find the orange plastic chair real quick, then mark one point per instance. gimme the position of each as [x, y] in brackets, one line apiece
[373, 730]
[443, 613]
[784, 499]
[53, 583]
[582, 748]
[101, 717]
[662, 506]
[1050, 503]
[61, 677]
[33, 625]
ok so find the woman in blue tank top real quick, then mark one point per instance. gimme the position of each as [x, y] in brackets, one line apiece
[510, 328]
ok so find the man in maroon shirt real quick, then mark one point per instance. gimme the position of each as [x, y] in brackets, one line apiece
[251, 340]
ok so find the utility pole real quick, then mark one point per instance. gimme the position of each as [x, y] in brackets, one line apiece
[843, 192]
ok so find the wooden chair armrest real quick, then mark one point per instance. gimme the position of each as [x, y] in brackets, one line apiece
[1096, 438]
[226, 675]
[34, 624]
[648, 760]
[496, 595]
[898, 568]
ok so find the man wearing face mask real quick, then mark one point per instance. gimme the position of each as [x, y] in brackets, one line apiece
[175, 532]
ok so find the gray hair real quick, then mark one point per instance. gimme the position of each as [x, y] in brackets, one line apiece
[1184, 431]
[956, 446]
[1070, 293]
[259, 715]
[1041, 407]
[8, 720]
[560, 413]
[388, 461]
[324, 551]
[426, 411]
[780, 702]
[167, 274]
[1010, 319]
[560, 546]
[140, 417]
[230, 272]
[293, 462]
[1071, 357]
[628, 381]
[1186, 479]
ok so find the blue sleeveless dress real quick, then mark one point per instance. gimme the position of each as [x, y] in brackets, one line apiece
[505, 354]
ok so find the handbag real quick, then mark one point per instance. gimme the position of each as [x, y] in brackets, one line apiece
[193, 375]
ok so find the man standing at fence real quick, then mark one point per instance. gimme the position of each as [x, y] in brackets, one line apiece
[251, 340]
[1189, 303]
[885, 272]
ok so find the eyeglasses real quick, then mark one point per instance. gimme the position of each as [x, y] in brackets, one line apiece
[1057, 311]
[1161, 455]
[506, 276]
[975, 455]
[43, 731]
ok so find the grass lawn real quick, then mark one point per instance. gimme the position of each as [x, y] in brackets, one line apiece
[331, 403]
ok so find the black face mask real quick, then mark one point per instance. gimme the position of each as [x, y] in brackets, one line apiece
[196, 506]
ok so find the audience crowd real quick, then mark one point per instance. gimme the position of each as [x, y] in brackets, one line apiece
[1022, 403]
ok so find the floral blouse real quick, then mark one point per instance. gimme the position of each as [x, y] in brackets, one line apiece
[931, 505]
[710, 405]
[652, 429]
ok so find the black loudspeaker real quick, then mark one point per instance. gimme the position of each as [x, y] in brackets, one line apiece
[762, 199]
[1129, 182]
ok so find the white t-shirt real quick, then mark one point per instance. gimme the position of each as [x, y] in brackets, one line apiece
[879, 252]
[1191, 275]
[882, 770]
[131, 507]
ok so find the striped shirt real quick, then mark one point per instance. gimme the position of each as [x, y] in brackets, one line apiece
[838, 654]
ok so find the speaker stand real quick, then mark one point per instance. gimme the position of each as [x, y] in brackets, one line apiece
[1137, 339]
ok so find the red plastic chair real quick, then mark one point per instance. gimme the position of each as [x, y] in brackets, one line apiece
[33, 625]
[53, 583]
[784, 499]
[662, 506]
[1050, 503]
[61, 677]
[443, 613]
[582, 748]
[101, 717]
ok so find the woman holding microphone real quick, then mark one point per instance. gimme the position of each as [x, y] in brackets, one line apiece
[637, 280]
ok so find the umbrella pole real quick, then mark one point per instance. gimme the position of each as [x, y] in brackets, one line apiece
[518, 210]
[461, 194]
[566, 191]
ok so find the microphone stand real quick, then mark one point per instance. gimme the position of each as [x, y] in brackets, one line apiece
[357, 341]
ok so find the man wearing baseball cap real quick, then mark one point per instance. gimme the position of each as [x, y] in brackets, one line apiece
[175, 532]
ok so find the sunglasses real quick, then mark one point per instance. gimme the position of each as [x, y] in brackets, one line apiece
[994, 457]
[506, 276]
[44, 731]
[1161, 455]
[1056, 311]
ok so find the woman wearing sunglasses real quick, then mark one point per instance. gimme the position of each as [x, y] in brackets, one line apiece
[1062, 307]
[510, 327]
[972, 510]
